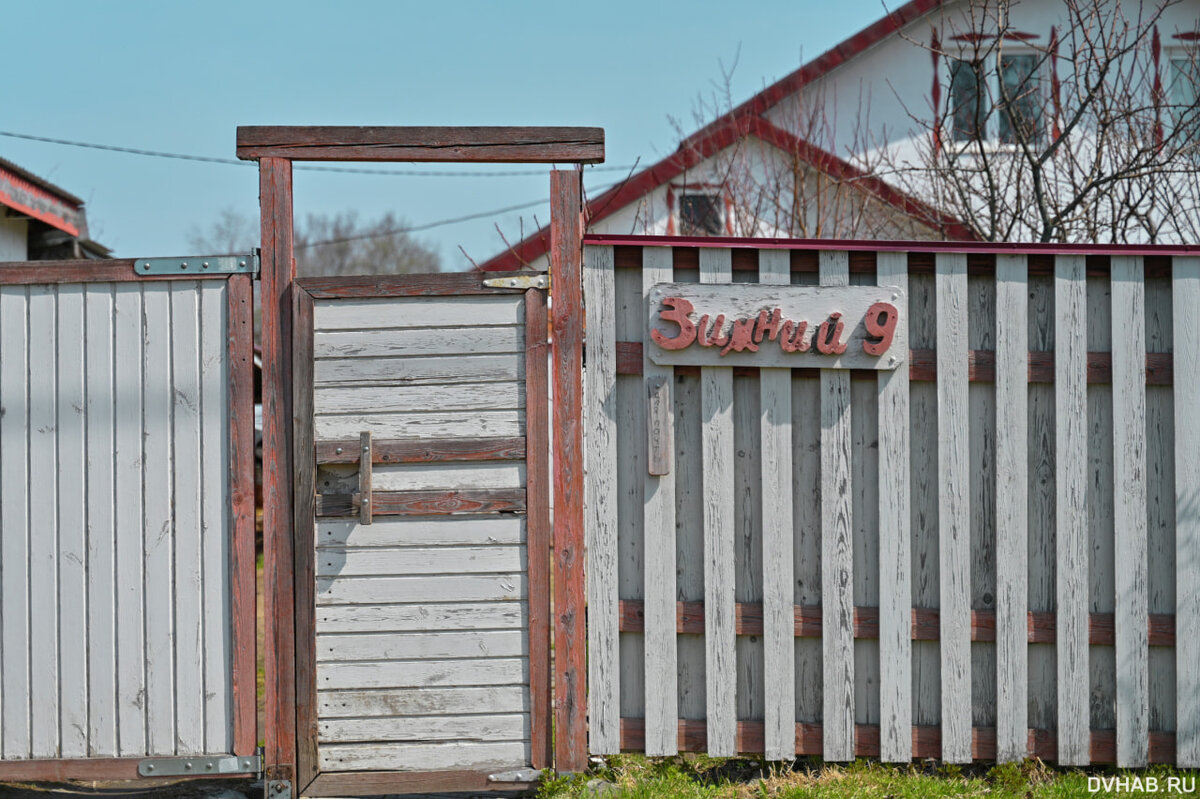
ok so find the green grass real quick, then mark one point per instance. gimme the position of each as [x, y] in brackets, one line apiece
[699, 777]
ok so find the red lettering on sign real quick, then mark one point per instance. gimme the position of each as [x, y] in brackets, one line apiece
[741, 337]
[830, 343]
[880, 323]
[768, 325]
[711, 337]
[797, 342]
[675, 309]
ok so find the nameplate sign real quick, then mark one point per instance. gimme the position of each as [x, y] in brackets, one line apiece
[753, 324]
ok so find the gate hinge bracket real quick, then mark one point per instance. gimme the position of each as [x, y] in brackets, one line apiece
[277, 789]
[541, 280]
[194, 766]
[199, 265]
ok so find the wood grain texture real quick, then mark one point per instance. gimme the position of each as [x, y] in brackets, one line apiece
[660, 412]
[429, 284]
[418, 673]
[537, 145]
[1070, 412]
[491, 310]
[659, 513]
[538, 488]
[491, 756]
[242, 566]
[464, 530]
[779, 651]
[395, 371]
[373, 783]
[425, 503]
[428, 616]
[436, 424]
[448, 588]
[116, 270]
[600, 500]
[953, 506]
[1186, 342]
[570, 634]
[449, 450]
[431, 729]
[837, 558]
[1129, 506]
[386, 342]
[717, 487]
[1012, 417]
[895, 552]
[278, 272]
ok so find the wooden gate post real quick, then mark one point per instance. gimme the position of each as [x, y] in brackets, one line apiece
[278, 271]
[566, 313]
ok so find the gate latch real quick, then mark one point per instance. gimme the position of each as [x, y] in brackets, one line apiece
[192, 766]
[199, 265]
[539, 280]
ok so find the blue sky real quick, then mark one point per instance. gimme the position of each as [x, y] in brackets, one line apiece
[181, 76]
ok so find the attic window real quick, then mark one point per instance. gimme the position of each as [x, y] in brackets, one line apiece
[1183, 95]
[996, 97]
[701, 215]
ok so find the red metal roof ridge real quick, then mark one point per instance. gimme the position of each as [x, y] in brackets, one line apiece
[40, 182]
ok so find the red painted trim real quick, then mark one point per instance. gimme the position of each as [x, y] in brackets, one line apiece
[1187, 36]
[858, 245]
[18, 185]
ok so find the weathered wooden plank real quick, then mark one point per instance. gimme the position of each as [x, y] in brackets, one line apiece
[398, 399]
[1070, 412]
[43, 521]
[417, 284]
[716, 455]
[806, 533]
[450, 588]
[659, 426]
[1186, 307]
[423, 673]
[779, 651]
[430, 729]
[401, 702]
[422, 616]
[427, 531]
[128, 500]
[837, 557]
[304, 481]
[895, 578]
[474, 144]
[185, 516]
[15, 638]
[539, 523]
[425, 312]
[424, 757]
[659, 512]
[400, 371]
[1012, 588]
[385, 451]
[333, 562]
[689, 541]
[424, 503]
[950, 280]
[421, 646]
[424, 477]
[70, 407]
[1129, 506]
[418, 341]
[435, 424]
[600, 501]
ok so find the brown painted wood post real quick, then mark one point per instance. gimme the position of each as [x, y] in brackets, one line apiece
[278, 271]
[570, 636]
[537, 515]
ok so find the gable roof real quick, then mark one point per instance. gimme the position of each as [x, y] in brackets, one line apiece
[746, 119]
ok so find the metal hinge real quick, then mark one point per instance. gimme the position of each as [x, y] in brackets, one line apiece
[277, 789]
[198, 265]
[191, 766]
[541, 280]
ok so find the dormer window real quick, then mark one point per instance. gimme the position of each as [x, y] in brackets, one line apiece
[996, 97]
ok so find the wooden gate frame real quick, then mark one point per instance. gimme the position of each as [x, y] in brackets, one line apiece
[276, 148]
[240, 349]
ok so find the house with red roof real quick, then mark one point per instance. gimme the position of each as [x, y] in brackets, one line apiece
[842, 147]
[40, 221]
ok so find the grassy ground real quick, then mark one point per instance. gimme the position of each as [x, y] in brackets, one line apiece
[702, 778]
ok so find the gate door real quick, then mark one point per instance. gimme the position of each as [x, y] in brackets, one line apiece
[126, 519]
[422, 595]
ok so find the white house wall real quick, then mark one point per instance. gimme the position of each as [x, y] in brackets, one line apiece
[13, 239]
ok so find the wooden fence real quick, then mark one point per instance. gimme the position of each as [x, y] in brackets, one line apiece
[989, 553]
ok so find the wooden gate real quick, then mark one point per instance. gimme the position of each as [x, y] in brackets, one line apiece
[988, 553]
[423, 580]
[126, 519]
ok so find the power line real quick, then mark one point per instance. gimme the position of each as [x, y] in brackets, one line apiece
[421, 173]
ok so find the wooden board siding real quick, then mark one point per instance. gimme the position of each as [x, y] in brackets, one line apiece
[422, 624]
[116, 522]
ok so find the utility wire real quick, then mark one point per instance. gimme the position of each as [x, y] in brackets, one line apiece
[422, 173]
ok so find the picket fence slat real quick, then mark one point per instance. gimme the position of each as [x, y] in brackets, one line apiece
[1070, 414]
[1186, 307]
[717, 455]
[600, 452]
[779, 645]
[1129, 507]
[895, 577]
[950, 279]
[837, 559]
[659, 513]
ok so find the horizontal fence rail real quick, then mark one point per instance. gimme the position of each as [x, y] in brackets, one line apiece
[987, 553]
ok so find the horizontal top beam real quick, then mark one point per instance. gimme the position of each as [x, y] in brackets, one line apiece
[500, 145]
